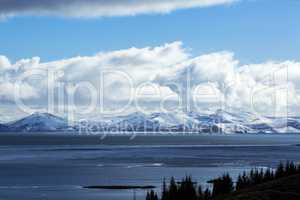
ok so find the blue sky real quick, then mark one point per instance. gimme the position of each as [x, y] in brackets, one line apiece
[255, 30]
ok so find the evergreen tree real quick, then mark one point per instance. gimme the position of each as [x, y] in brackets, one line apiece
[239, 183]
[280, 171]
[172, 194]
[268, 175]
[207, 195]
[245, 180]
[188, 190]
[151, 195]
[164, 195]
[298, 169]
[223, 185]
[200, 193]
[290, 168]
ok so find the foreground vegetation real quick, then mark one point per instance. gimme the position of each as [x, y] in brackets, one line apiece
[281, 183]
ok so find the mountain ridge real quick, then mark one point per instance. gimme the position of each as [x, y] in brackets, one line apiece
[219, 121]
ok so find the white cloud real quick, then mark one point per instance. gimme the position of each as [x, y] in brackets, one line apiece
[266, 87]
[7, 91]
[156, 71]
[99, 8]
[123, 70]
[4, 63]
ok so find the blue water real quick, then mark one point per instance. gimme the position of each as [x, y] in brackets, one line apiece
[37, 168]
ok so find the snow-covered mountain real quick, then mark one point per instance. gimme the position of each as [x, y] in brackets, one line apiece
[38, 122]
[134, 122]
[219, 121]
[214, 122]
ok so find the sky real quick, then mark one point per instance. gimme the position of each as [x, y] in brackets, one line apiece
[256, 30]
[224, 43]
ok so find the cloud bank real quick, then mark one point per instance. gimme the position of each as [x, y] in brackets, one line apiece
[99, 8]
[153, 75]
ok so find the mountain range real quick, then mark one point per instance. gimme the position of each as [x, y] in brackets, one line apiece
[219, 121]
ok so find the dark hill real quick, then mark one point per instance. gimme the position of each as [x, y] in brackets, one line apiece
[287, 188]
[3, 127]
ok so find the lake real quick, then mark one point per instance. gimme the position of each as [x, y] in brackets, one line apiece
[57, 167]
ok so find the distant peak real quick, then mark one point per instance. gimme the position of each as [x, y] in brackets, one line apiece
[43, 115]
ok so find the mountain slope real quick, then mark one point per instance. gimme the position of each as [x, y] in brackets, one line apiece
[219, 121]
[281, 189]
[3, 127]
[134, 122]
[39, 122]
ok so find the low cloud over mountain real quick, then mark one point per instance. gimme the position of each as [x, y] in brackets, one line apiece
[158, 77]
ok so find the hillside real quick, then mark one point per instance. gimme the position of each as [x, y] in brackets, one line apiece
[219, 121]
[287, 188]
[38, 122]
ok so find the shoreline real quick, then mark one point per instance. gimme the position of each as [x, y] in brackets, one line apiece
[151, 140]
[119, 187]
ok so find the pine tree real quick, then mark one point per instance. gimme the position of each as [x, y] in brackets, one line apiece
[164, 195]
[290, 168]
[268, 175]
[200, 193]
[222, 185]
[298, 169]
[151, 195]
[239, 183]
[207, 194]
[280, 171]
[148, 196]
[188, 190]
[245, 180]
[173, 190]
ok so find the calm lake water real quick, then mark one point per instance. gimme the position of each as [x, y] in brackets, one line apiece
[42, 167]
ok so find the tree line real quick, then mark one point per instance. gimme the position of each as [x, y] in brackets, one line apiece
[187, 189]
